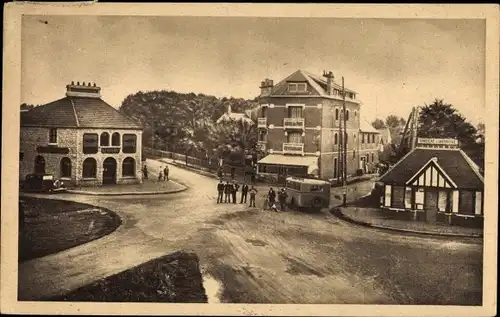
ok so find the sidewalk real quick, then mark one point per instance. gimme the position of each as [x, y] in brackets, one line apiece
[149, 186]
[373, 217]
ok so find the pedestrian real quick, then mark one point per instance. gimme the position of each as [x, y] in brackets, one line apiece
[227, 192]
[165, 173]
[160, 175]
[282, 198]
[145, 172]
[253, 192]
[244, 191]
[220, 191]
[234, 190]
[271, 195]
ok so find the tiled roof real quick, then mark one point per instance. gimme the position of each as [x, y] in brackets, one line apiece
[365, 126]
[77, 112]
[317, 85]
[455, 164]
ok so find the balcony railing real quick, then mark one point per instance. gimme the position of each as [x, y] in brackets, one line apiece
[293, 123]
[262, 145]
[262, 122]
[293, 148]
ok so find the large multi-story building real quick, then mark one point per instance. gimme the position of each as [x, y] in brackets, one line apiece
[80, 139]
[298, 121]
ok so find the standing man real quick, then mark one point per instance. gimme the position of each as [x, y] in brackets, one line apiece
[234, 190]
[145, 171]
[160, 175]
[227, 192]
[253, 193]
[220, 191]
[271, 196]
[244, 191]
[165, 173]
[282, 198]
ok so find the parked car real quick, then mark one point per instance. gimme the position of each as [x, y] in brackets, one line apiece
[45, 183]
[305, 193]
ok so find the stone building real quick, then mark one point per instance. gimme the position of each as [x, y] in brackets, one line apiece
[81, 139]
[298, 122]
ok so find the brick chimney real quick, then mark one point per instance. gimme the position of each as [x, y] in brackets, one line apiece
[266, 87]
[83, 90]
[329, 82]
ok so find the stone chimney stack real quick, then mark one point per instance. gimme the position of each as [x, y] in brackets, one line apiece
[266, 87]
[83, 90]
[329, 82]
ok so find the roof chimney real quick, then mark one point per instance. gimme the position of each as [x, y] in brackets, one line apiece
[83, 90]
[266, 87]
[329, 82]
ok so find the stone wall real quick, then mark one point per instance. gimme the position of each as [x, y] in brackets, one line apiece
[32, 137]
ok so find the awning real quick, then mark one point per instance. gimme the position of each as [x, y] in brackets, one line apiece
[279, 159]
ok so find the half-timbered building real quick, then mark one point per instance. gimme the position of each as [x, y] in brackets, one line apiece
[437, 182]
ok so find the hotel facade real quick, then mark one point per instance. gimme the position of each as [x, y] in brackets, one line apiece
[298, 122]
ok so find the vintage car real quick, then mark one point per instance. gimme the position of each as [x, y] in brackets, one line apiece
[45, 183]
[307, 194]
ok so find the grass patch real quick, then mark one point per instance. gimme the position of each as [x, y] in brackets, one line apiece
[52, 226]
[174, 278]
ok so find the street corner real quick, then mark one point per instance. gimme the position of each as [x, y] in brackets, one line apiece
[147, 187]
[401, 222]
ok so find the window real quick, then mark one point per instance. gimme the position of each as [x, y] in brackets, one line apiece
[295, 112]
[346, 137]
[128, 167]
[53, 136]
[419, 198]
[262, 135]
[297, 87]
[355, 114]
[387, 195]
[105, 139]
[408, 197]
[66, 167]
[444, 203]
[39, 165]
[363, 138]
[479, 203]
[294, 137]
[115, 139]
[347, 115]
[129, 143]
[90, 143]
[466, 202]
[373, 157]
[316, 188]
[335, 138]
[398, 193]
[336, 113]
[89, 168]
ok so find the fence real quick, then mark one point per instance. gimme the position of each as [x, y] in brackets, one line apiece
[212, 165]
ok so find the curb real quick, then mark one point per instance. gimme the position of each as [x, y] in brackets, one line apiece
[82, 192]
[340, 215]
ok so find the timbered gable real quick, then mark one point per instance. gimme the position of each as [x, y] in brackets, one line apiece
[431, 175]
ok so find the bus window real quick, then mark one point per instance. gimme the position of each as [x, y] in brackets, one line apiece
[316, 188]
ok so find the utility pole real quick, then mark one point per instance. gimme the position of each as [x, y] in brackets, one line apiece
[344, 178]
[340, 170]
[153, 137]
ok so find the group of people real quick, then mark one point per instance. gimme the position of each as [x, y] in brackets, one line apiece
[271, 199]
[226, 192]
[162, 174]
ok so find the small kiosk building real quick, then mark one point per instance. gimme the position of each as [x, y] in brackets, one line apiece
[435, 182]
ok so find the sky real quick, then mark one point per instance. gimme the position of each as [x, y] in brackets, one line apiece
[393, 64]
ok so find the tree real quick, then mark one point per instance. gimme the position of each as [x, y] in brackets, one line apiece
[441, 120]
[392, 121]
[378, 124]
[25, 106]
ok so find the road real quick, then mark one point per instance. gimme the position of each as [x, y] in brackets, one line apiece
[265, 257]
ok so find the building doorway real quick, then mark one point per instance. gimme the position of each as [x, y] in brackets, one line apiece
[39, 165]
[109, 171]
[431, 205]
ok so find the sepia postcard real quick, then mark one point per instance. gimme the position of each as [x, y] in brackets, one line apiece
[250, 159]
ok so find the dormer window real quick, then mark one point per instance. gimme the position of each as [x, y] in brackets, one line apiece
[297, 87]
